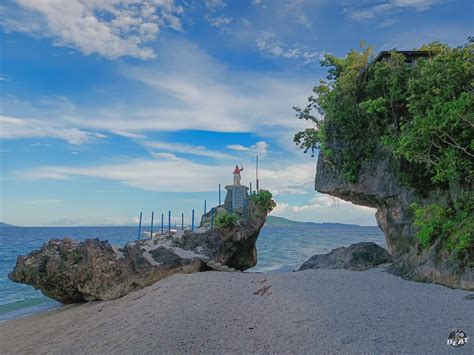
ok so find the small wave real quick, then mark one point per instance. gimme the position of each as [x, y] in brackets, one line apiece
[26, 307]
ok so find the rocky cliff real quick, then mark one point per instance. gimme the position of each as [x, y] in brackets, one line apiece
[71, 272]
[378, 187]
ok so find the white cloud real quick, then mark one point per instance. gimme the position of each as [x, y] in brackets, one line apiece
[258, 3]
[112, 28]
[219, 21]
[214, 5]
[325, 208]
[377, 9]
[187, 149]
[259, 148]
[268, 43]
[12, 127]
[169, 173]
[187, 89]
[304, 20]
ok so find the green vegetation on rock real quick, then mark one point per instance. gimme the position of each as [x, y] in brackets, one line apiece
[264, 200]
[226, 220]
[421, 116]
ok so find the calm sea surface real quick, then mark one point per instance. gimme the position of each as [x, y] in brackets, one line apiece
[279, 249]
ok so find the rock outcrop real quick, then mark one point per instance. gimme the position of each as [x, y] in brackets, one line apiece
[71, 272]
[378, 187]
[358, 257]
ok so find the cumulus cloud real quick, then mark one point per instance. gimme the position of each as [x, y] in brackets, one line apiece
[259, 148]
[112, 29]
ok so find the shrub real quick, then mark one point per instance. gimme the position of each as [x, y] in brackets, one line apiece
[454, 226]
[264, 200]
[226, 220]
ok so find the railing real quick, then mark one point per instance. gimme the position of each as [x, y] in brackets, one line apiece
[212, 215]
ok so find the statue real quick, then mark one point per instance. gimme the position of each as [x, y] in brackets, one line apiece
[237, 174]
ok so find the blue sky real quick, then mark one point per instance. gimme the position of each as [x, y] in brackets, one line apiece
[112, 107]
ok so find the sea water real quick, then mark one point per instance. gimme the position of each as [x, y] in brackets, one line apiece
[278, 248]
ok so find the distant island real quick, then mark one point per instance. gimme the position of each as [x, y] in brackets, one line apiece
[2, 225]
[275, 221]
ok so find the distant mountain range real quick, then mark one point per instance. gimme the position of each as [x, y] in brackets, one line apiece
[274, 221]
[5, 225]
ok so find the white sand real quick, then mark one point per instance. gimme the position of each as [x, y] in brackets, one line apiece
[314, 311]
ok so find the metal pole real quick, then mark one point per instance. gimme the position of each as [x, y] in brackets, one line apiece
[250, 187]
[192, 221]
[169, 220]
[256, 173]
[151, 227]
[205, 207]
[219, 194]
[182, 221]
[140, 226]
[162, 221]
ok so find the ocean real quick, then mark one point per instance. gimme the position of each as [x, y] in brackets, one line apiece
[278, 249]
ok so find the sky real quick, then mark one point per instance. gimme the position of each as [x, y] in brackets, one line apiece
[110, 108]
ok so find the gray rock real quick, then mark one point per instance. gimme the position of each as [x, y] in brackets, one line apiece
[235, 247]
[378, 187]
[359, 257]
[72, 272]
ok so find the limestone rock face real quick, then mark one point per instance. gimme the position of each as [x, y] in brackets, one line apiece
[234, 247]
[378, 187]
[359, 257]
[71, 272]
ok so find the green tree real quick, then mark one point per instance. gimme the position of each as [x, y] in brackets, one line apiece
[264, 200]
[423, 116]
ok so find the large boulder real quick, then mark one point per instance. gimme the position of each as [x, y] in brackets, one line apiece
[71, 272]
[359, 257]
[234, 247]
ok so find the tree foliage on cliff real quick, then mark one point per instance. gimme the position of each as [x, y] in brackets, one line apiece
[264, 200]
[423, 115]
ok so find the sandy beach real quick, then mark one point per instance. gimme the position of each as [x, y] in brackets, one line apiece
[314, 311]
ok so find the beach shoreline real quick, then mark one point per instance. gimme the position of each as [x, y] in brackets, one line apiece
[313, 311]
